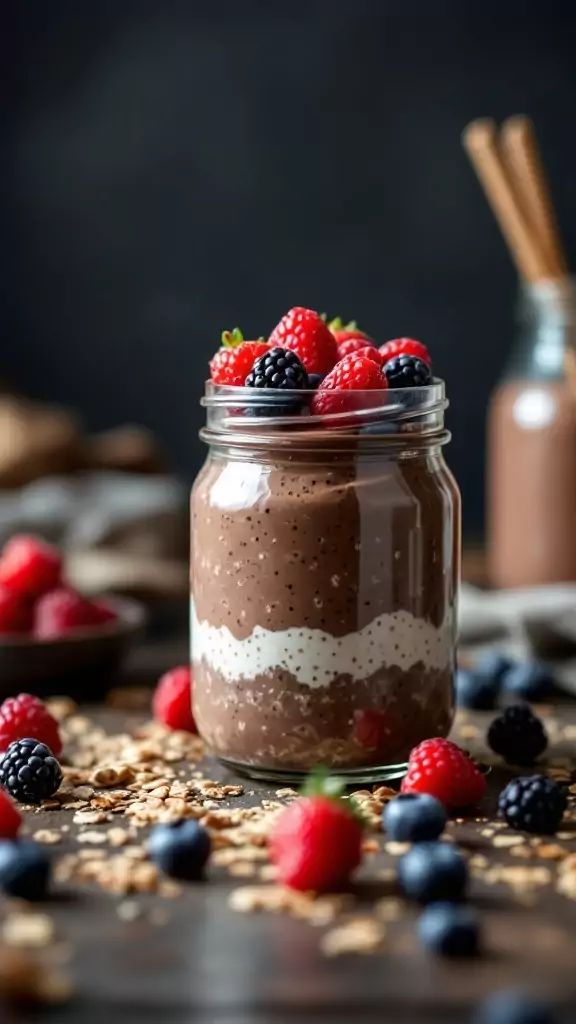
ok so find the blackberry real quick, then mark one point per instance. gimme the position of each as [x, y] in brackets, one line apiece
[29, 771]
[279, 369]
[517, 735]
[407, 372]
[533, 804]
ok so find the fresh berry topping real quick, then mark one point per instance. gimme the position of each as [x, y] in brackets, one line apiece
[10, 817]
[278, 368]
[233, 361]
[352, 374]
[15, 612]
[533, 681]
[414, 818]
[304, 332]
[513, 1007]
[450, 929]
[172, 702]
[26, 715]
[348, 332]
[533, 804]
[316, 841]
[369, 352]
[180, 848]
[29, 771]
[443, 770]
[407, 372]
[518, 735]
[475, 691]
[60, 611]
[405, 347]
[24, 869]
[315, 380]
[430, 872]
[30, 567]
[355, 343]
[102, 613]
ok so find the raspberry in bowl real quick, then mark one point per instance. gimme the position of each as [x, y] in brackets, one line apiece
[325, 559]
[49, 631]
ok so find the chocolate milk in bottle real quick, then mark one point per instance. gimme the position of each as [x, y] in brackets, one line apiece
[531, 454]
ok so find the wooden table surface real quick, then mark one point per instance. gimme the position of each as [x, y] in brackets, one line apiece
[199, 960]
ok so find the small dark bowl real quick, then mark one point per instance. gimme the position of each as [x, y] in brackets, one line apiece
[82, 664]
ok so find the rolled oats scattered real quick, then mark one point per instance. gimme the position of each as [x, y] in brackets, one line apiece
[396, 849]
[129, 910]
[48, 836]
[286, 794]
[506, 841]
[93, 838]
[360, 935]
[27, 930]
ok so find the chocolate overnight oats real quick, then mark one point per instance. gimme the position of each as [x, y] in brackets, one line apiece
[324, 570]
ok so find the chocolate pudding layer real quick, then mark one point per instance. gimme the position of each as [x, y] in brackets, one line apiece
[323, 603]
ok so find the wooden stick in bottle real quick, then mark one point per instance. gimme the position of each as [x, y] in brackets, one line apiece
[480, 142]
[525, 167]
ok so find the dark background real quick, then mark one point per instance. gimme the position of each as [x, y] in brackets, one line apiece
[170, 169]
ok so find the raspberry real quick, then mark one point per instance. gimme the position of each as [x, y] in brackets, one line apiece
[233, 361]
[172, 702]
[62, 610]
[316, 844]
[10, 817]
[30, 567]
[352, 374]
[405, 347]
[354, 343]
[304, 332]
[15, 612]
[26, 715]
[441, 768]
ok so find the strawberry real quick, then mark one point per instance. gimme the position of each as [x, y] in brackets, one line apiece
[306, 334]
[232, 363]
[349, 338]
[351, 374]
[29, 566]
[316, 842]
[440, 768]
[404, 347]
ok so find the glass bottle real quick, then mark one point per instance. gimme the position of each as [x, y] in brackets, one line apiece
[531, 452]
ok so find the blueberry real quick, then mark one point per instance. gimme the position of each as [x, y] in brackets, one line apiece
[532, 681]
[414, 817]
[450, 929]
[180, 849]
[513, 1007]
[475, 691]
[314, 380]
[493, 666]
[24, 869]
[430, 872]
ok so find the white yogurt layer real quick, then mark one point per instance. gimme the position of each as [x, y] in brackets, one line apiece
[315, 658]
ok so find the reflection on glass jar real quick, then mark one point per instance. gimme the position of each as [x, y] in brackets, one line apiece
[325, 560]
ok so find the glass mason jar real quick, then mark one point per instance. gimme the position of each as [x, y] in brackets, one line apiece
[531, 464]
[325, 566]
